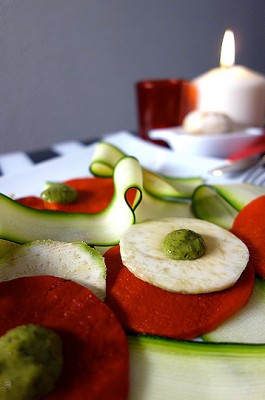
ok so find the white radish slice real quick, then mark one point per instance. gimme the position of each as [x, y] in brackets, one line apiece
[73, 261]
[224, 260]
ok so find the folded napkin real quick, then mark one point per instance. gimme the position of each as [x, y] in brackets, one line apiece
[256, 147]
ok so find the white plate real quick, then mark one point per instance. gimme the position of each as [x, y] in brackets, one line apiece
[219, 145]
[154, 157]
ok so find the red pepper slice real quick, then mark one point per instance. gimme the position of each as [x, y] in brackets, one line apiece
[249, 226]
[144, 308]
[33, 202]
[95, 348]
[94, 194]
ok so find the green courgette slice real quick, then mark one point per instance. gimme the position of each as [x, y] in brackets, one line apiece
[104, 159]
[248, 324]
[220, 204]
[106, 156]
[74, 261]
[6, 245]
[169, 369]
[153, 208]
[22, 224]
[169, 188]
[185, 186]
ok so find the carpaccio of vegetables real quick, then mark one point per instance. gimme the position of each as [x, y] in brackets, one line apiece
[142, 307]
[95, 347]
[99, 353]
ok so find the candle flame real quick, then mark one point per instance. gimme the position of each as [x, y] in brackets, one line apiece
[227, 58]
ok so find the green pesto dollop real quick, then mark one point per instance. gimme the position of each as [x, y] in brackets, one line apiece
[30, 362]
[183, 244]
[59, 193]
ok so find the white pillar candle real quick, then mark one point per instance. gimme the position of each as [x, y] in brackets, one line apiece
[233, 90]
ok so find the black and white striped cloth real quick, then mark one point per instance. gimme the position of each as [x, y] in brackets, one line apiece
[18, 161]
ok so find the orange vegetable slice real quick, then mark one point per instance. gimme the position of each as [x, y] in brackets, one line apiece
[144, 308]
[95, 348]
[249, 226]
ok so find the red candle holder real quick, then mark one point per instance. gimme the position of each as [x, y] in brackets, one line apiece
[163, 103]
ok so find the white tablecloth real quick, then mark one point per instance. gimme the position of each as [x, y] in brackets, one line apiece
[19, 161]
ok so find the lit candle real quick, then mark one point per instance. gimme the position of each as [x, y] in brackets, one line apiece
[233, 90]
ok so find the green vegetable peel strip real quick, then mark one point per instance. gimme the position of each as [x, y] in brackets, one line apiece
[157, 191]
[22, 224]
[239, 195]
[5, 246]
[247, 325]
[214, 203]
[106, 156]
[169, 188]
[220, 204]
[189, 370]
[104, 159]
[152, 207]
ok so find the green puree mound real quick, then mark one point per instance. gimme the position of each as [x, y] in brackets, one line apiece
[30, 362]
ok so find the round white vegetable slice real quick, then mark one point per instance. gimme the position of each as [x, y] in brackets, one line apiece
[224, 260]
[73, 261]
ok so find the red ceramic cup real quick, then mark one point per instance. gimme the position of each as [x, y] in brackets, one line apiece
[163, 103]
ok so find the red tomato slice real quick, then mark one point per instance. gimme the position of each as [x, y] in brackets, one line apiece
[144, 308]
[95, 348]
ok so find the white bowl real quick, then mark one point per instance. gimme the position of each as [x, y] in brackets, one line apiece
[221, 145]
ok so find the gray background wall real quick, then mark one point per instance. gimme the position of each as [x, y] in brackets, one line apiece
[68, 67]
